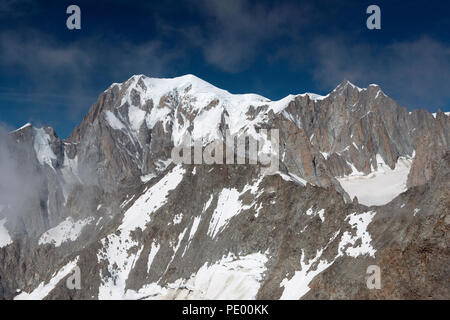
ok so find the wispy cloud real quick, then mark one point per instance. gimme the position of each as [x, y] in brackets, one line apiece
[68, 73]
[19, 181]
[416, 72]
[17, 8]
[236, 31]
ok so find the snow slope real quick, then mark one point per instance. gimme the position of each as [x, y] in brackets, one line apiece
[115, 247]
[232, 277]
[298, 285]
[67, 230]
[45, 288]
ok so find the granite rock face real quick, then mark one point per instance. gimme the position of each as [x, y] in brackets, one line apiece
[110, 200]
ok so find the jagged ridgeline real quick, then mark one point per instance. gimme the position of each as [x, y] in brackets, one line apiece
[360, 182]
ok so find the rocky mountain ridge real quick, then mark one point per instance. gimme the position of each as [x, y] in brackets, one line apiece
[111, 201]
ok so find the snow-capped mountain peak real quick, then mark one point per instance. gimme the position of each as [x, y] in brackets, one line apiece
[345, 84]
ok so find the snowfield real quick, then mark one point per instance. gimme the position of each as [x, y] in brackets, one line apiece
[232, 277]
[380, 186]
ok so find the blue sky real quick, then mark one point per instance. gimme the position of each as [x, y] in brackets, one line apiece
[51, 75]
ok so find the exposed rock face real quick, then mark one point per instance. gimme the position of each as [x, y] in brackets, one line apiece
[110, 201]
[430, 147]
[357, 124]
[412, 248]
